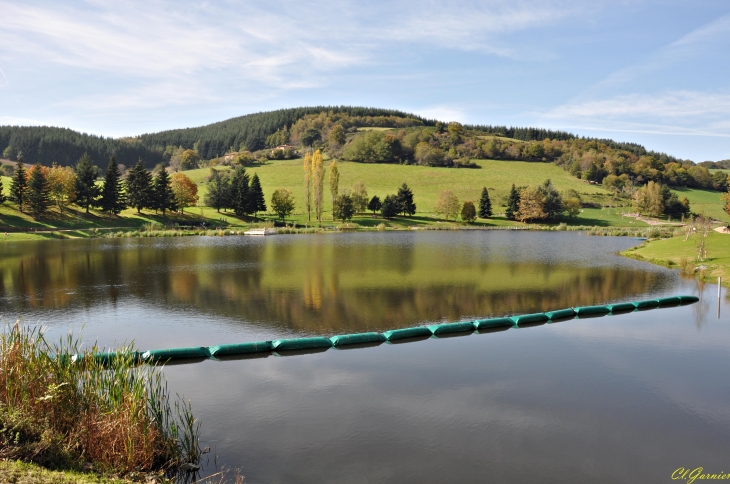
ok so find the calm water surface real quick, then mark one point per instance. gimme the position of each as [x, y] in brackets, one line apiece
[614, 399]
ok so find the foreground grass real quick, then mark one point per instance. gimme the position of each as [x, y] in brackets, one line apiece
[677, 252]
[64, 413]
[16, 472]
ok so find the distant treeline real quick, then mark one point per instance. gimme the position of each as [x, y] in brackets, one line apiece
[716, 165]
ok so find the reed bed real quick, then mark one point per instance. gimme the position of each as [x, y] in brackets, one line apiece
[61, 412]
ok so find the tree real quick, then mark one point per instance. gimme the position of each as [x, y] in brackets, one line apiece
[38, 194]
[9, 153]
[217, 196]
[19, 185]
[318, 184]
[344, 208]
[86, 189]
[310, 137]
[256, 196]
[485, 204]
[513, 203]
[239, 199]
[184, 189]
[308, 184]
[572, 206]
[113, 199]
[282, 203]
[374, 204]
[390, 207]
[648, 200]
[2, 191]
[189, 160]
[139, 187]
[552, 202]
[337, 135]
[163, 198]
[359, 197]
[726, 198]
[447, 205]
[405, 200]
[334, 178]
[531, 206]
[468, 212]
[62, 185]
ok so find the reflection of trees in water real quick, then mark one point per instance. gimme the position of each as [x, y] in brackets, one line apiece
[240, 281]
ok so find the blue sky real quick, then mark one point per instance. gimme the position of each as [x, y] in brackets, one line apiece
[653, 72]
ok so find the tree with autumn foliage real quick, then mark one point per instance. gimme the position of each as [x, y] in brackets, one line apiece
[318, 184]
[184, 189]
[62, 185]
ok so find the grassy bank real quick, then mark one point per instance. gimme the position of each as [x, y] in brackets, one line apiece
[72, 414]
[17, 472]
[676, 252]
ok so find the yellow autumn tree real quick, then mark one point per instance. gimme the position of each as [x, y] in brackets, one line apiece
[308, 184]
[532, 203]
[62, 185]
[318, 183]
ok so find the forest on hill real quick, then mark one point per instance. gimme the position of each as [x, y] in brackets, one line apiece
[369, 135]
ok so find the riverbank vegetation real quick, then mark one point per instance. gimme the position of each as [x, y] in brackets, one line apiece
[107, 415]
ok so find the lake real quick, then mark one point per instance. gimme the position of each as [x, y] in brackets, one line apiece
[619, 398]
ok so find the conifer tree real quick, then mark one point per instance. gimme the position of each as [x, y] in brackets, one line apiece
[485, 204]
[513, 203]
[162, 194]
[256, 196]
[113, 199]
[240, 201]
[2, 194]
[19, 185]
[217, 196]
[139, 187]
[405, 200]
[374, 204]
[318, 184]
[86, 189]
[38, 196]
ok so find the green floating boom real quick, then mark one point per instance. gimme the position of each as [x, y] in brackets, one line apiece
[320, 342]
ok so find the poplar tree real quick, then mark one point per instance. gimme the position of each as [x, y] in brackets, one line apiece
[308, 184]
[19, 184]
[113, 199]
[162, 194]
[256, 196]
[139, 187]
[318, 184]
[38, 195]
[334, 178]
[485, 204]
[86, 190]
[513, 203]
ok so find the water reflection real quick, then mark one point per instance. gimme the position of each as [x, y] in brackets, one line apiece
[328, 284]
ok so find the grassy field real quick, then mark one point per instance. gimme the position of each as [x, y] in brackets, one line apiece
[380, 179]
[670, 252]
[16, 472]
[704, 201]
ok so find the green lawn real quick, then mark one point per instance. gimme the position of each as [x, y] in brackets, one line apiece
[671, 251]
[704, 201]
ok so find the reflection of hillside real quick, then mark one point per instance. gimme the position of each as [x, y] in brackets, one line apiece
[309, 285]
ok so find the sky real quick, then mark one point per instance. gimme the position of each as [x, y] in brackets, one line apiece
[651, 72]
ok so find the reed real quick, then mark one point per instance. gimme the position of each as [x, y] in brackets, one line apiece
[61, 411]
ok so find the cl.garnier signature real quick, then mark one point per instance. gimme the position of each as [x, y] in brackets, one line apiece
[690, 475]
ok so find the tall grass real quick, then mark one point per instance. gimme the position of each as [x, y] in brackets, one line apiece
[61, 411]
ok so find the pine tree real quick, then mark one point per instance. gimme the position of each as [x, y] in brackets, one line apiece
[513, 203]
[485, 204]
[86, 189]
[405, 200]
[19, 185]
[38, 196]
[162, 195]
[240, 193]
[256, 196]
[217, 196]
[139, 187]
[2, 194]
[113, 199]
